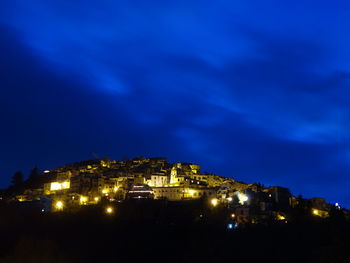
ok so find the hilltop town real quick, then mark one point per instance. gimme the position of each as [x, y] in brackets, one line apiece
[148, 208]
[92, 182]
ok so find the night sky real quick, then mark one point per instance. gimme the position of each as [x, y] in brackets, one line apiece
[253, 90]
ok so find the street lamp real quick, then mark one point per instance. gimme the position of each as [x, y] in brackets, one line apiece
[214, 202]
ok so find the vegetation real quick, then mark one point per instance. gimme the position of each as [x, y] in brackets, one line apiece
[161, 231]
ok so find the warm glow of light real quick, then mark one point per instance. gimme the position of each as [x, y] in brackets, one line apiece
[83, 200]
[242, 198]
[115, 189]
[229, 199]
[109, 210]
[281, 217]
[96, 199]
[46, 171]
[320, 213]
[233, 215]
[105, 191]
[59, 205]
[65, 185]
[214, 202]
[55, 186]
[191, 192]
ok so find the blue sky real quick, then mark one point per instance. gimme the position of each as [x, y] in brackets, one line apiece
[257, 91]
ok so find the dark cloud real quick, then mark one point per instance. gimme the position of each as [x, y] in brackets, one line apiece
[250, 93]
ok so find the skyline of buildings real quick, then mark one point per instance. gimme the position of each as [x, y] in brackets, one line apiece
[99, 181]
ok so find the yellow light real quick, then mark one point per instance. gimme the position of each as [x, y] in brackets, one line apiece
[191, 192]
[59, 186]
[281, 217]
[55, 186]
[233, 215]
[315, 212]
[65, 185]
[214, 202]
[115, 189]
[96, 199]
[109, 210]
[104, 191]
[242, 198]
[83, 199]
[59, 205]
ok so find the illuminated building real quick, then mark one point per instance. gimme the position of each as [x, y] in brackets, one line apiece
[157, 180]
[140, 191]
[174, 193]
[170, 193]
[242, 198]
[56, 186]
[83, 200]
[320, 213]
[94, 182]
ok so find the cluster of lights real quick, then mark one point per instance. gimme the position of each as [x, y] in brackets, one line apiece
[190, 191]
[83, 200]
[242, 198]
[231, 226]
[141, 191]
[59, 205]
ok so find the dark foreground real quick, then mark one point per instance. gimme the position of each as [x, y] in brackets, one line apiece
[143, 232]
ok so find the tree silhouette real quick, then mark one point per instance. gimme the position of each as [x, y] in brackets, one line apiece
[17, 179]
[17, 182]
[35, 179]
